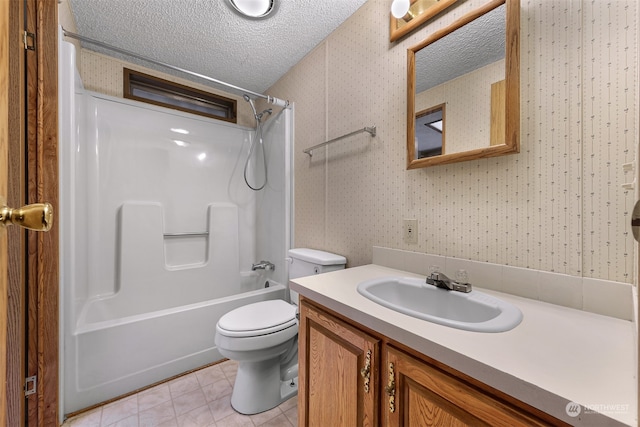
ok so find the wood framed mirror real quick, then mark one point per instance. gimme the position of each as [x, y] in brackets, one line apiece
[471, 68]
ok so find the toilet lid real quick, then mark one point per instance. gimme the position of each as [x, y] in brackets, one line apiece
[274, 315]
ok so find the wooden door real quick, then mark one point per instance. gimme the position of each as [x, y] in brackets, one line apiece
[338, 383]
[28, 174]
[4, 179]
[13, 246]
[418, 394]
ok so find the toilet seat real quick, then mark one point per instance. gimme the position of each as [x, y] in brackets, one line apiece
[260, 318]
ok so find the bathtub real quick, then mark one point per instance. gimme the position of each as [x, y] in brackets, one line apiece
[139, 350]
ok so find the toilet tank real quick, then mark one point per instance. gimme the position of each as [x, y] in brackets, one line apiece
[307, 262]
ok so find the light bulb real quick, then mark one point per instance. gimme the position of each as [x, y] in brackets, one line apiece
[399, 8]
[253, 8]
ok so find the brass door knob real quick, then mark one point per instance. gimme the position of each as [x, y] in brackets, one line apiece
[37, 217]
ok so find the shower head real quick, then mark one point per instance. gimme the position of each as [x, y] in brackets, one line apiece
[253, 107]
[257, 115]
[267, 111]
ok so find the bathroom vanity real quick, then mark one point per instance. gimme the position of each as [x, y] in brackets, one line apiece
[364, 364]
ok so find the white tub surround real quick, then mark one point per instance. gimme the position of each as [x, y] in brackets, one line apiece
[556, 356]
[158, 235]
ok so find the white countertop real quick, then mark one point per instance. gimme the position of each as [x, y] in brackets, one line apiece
[555, 356]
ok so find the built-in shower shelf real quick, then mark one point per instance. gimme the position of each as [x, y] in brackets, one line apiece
[187, 234]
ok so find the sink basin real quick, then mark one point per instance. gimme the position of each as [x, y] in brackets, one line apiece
[473, 311]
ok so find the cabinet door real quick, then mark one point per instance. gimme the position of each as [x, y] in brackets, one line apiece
[418, 394]
[338, 372]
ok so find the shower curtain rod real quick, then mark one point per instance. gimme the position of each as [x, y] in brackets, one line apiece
[270, 99]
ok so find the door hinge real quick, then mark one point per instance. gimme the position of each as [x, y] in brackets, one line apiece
[25, 38]
[30, 385]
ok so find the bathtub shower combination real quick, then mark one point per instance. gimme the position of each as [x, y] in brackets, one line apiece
[158, 235]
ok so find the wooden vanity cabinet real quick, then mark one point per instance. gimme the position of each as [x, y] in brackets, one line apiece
[419, 394]
[337, 381]
[404, 389]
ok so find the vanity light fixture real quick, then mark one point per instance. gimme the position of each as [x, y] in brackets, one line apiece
[400, 10]
[254, 9]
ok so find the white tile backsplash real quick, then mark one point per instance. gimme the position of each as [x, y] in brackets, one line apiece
[561, 289]
[614, 299]
[418, 262]
[378, 255]
[421, 263]
[523, 282]
[608, 298]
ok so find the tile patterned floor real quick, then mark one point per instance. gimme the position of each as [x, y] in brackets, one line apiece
[199, 399]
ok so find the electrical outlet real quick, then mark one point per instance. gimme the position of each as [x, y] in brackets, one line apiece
[410, 230]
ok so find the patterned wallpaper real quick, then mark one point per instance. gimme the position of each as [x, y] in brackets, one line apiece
[102, 73]
[556, 206]
[468, 112]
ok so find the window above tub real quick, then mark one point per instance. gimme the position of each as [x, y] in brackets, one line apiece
[153, 90]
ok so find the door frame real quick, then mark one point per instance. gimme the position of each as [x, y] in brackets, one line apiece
[34, 321]
[42, 185]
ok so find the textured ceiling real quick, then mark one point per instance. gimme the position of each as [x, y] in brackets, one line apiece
[481, 42]
[207, 37]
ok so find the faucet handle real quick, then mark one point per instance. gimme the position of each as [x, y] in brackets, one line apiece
[263, 265]
[462, 281]
[434, 269]
[268, 265]
[462, 276]
[461, 287]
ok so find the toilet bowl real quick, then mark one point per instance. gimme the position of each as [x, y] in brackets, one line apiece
[263, 338]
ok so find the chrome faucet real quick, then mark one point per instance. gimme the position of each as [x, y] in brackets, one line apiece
[263, 265]
[441, 281]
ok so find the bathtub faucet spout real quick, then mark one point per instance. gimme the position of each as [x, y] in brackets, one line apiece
[263, 265]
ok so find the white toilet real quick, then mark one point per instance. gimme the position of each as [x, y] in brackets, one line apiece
[263, 338]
